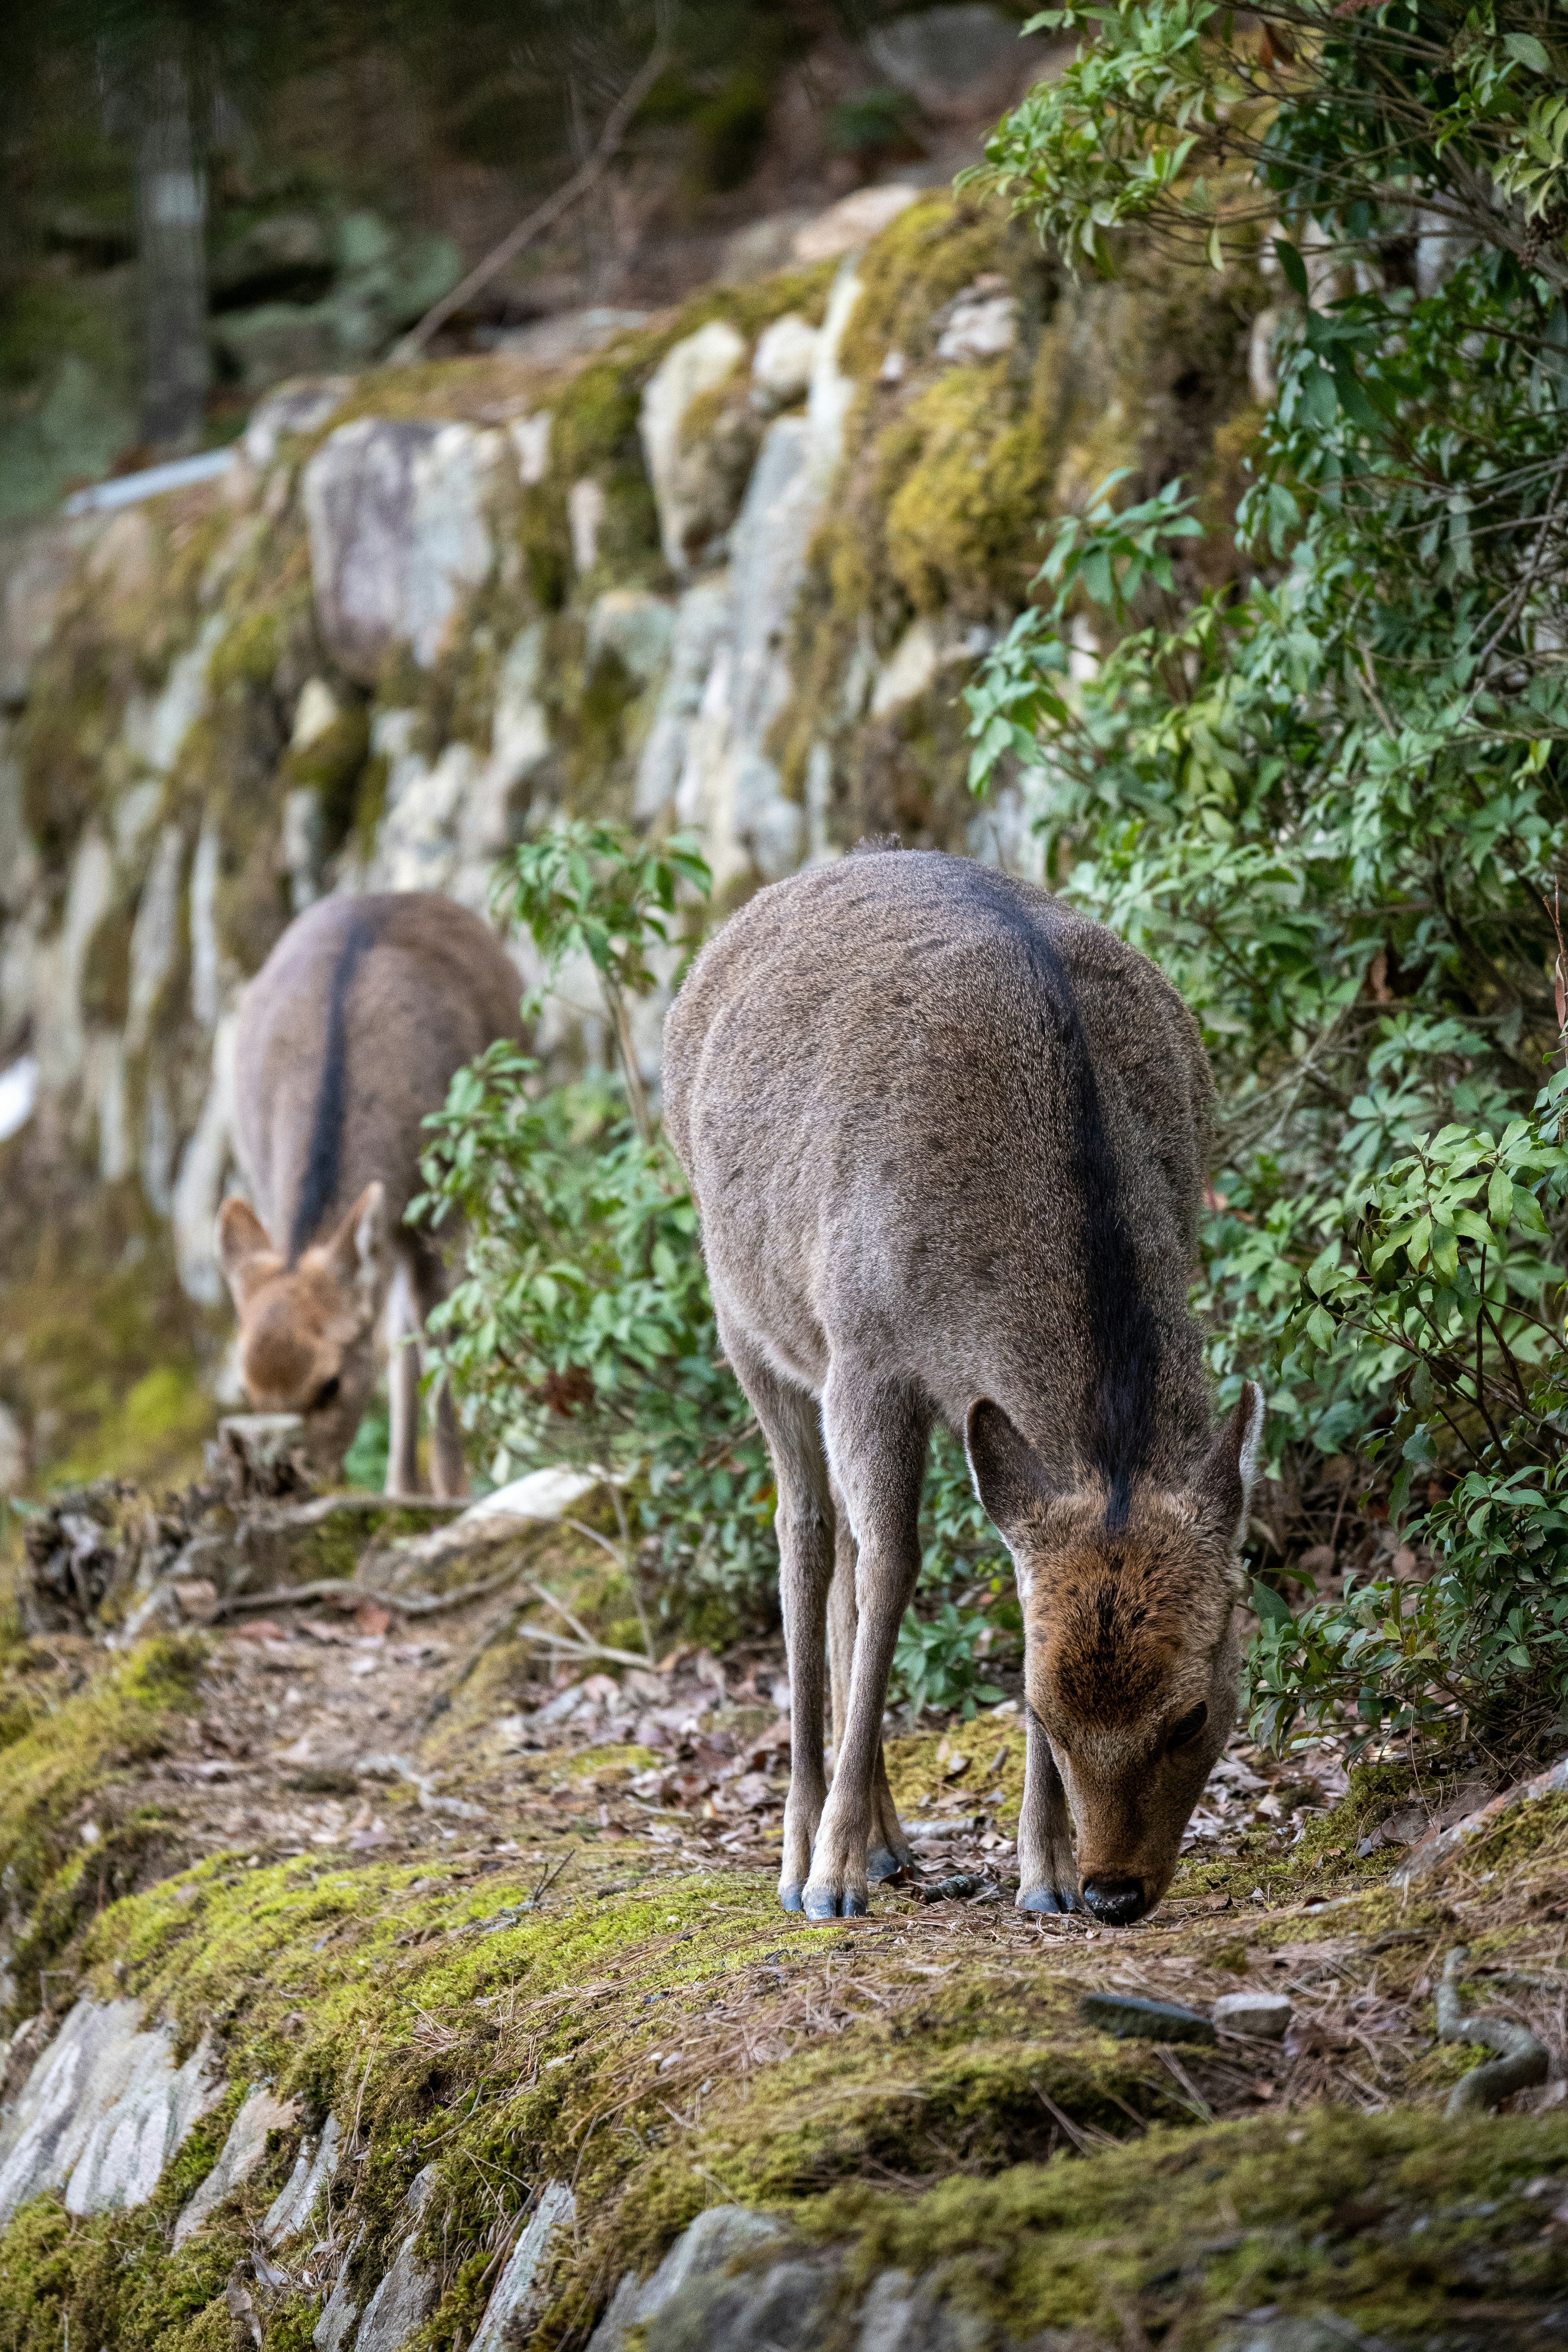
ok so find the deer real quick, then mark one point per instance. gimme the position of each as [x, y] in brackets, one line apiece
[947, 1137]
[348, 1038]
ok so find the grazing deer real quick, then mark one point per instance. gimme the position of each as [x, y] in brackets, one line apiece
[349, 1035]
[947, 1137]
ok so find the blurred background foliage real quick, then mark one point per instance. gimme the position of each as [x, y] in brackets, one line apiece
[204, 196]
[1329, 796]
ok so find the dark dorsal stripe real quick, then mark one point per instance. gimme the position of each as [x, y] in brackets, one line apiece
[1122, 1340]
[318, 1183]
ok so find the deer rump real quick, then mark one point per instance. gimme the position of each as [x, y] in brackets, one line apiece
[947, 1139]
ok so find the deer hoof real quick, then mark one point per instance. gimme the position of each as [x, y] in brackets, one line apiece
[820, 1908]
[790, 1896]
[1047, 1898]
[882, 1863]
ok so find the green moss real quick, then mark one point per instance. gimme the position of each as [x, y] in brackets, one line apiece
[961, 478]
[154, 1432]
[246, 654]
[370, 801]
[106, 968]
[991, 1749]
[63, 741]
[330, 766]
[929, 253]
[1395, 2223]
[605, 1765]
[90, 1297]
[67, 1766]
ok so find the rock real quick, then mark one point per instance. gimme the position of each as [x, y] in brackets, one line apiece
[302, 407]
[242, 2151]
[156, 727]
[13, 1438]
[585, 520]
[1132, 2017]
[700, 2257]
[569, 335]
[513, 2304]
[400, 535]
[334, 2331]
[1323, 2331]
[155, 935]
[520, 731]
[729, 785]
[1266, 2014]
[285, 339]
[958, 63]
[416, 842]
[691, 482]
[281, 245]
[636, 626]
[407, 2295]
[547, 1494]
[702, 620]
[910, 669]
[297, 2199]
[304, 842]
[764, 245]
[39, 565]
[902, 2314]
[1432, 1852]
[851, 222]
[18, 1094]
[981, 321]
[102, 2111]
[782, 362]
[530, 436]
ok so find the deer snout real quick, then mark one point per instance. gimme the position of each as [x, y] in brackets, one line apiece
[1116, 1901]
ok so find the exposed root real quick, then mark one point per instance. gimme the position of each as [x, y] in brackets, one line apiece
[1521, 2058]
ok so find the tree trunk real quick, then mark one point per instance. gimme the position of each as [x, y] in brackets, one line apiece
[172, 207]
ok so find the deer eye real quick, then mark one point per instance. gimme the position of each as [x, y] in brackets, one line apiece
[1182, 1733]
[325, 1393]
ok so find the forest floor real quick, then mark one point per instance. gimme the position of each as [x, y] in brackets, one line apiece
[515, 1914]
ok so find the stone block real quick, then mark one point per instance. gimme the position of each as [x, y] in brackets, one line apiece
[102, 2110]
[1264, 2013]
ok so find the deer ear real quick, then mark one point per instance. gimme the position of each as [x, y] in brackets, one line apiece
[1008, 1474]
[1222, 1487]
[360, 1252]
[245, 1250]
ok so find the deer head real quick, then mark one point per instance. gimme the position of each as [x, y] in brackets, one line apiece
[307, 1330]
[1132, 1652]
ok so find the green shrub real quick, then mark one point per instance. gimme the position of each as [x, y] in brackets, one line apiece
[1329, 798]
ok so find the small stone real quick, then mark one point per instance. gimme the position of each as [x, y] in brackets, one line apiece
[198, 1598]
[782, 365]
[1266, 2014]
[1131, 2017]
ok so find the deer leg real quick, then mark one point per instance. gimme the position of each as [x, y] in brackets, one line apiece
[889, 1849]
[449, 1474]
[1048, 1872]
[876, 1438]
[803, 1521]
[402, 1388]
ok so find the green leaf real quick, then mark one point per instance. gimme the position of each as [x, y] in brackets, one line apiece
[1271, 1607]
[1292, 266]
[1528, 50]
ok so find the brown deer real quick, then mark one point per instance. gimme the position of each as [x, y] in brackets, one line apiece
[947, 1137]
[349, 1035]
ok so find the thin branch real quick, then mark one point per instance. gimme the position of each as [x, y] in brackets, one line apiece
[409, 347]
